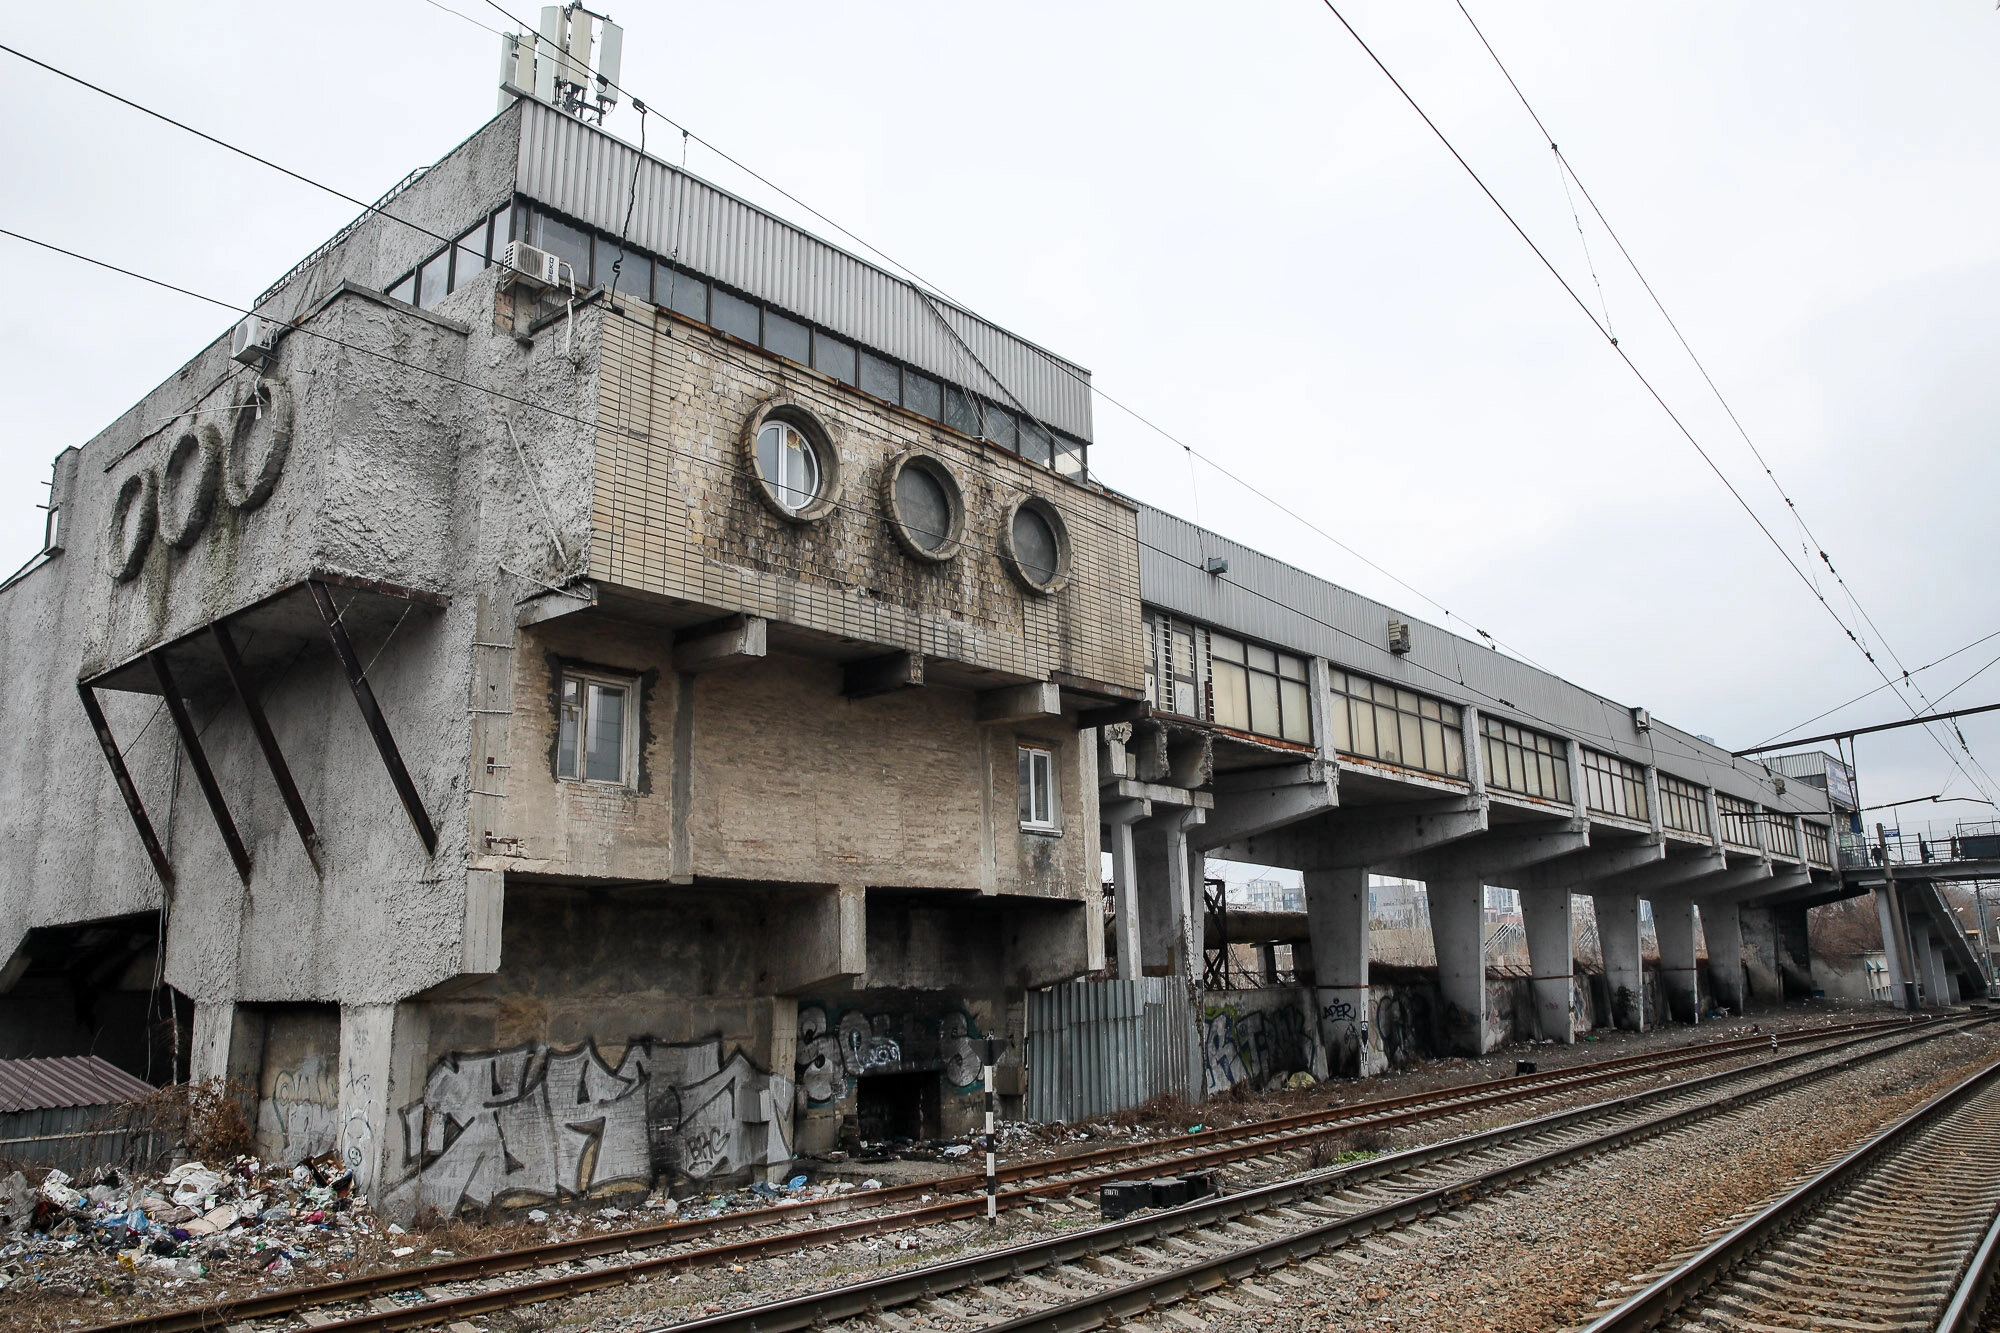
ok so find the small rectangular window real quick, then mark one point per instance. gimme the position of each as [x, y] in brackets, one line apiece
[1000, 427]
[682, 293]
[567, 243]
[406, 290]
[882, 378]
[434, 279]
[633, 273]
[787, 337]
[596, 727]
[1036, 446]
[468, 256]
[834, 357]
[1038, 788]
[923, 395]
[736, 316]
[959, 413]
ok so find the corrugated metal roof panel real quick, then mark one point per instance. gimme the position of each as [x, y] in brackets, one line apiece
[584, 172]
[67, 1080]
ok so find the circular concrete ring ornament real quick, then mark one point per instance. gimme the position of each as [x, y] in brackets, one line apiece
[187, 486]
[133, 516]
[259, 442]
[826, 452]
[1023, 561]
[942, 546]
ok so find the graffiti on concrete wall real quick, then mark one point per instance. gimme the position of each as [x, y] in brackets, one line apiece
[536, 1123]
[296, 1119]
[1242, 1045]
[837, 1046]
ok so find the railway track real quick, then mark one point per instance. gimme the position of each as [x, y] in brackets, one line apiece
[438, 1293]
[1901, 1233]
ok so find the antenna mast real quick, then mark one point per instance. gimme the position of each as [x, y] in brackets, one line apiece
[554, 65]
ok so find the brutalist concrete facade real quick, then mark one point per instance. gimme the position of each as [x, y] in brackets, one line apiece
[793, 912]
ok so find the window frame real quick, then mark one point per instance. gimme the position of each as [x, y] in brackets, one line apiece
[1510, 739]
[940, 472]
[1680, 794]
[1615, 777]
[1033, 816]
[784, 410]
[585, 677]
[1012, 555]
[1350, 693]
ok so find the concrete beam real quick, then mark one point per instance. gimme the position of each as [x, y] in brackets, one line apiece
[1364, 836]
[1168, 939]
[1123, 789]
[552, 604]
[1019, 703]
[882, 675]
[822, 942]
[1735, 884]
[1263, 799]
[728, 642]
[1677, 869]
[1601, 860]
[1498, 852]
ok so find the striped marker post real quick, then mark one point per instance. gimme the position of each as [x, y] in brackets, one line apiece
[994, 1046]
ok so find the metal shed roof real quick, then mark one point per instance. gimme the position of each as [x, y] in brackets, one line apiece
[67, 1080]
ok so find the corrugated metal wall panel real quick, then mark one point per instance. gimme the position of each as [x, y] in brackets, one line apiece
[589, 175]
[1099, 1047]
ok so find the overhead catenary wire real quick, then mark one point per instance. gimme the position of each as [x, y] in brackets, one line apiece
[1777, 737]
[1069, 512]
[1633, 366]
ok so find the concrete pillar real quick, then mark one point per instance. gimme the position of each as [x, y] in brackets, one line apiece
[208, 1049]
[1118, 818]
[1902, 966]
[1458, 929]
[1160, 846]
[1679, 981]
[1337, 920]
[1760, 956]
[1267, 964]
[367, 1041]
[1624, 974]
[1936, 991]
[1194, 911]
[1722, 924]
[1547, 917]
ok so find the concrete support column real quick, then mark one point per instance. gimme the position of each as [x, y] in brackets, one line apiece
[1547, 917]
[1760, 956]
[208, 1050]
[364, 1137]
[1624, 974]
[1337, 920]
[1170, 918]
[1936, 991]
[1902, 967]
[1194, 913]
[1118, 818]
[1267, 964]
[1722, 924]
[1458, 930]
[1680, 988]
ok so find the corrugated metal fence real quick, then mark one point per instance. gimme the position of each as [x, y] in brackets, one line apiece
[75, 1139]
[1096, 1047]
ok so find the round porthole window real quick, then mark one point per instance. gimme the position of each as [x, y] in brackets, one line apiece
[794, 459]
[925, 510]
[1037, 546]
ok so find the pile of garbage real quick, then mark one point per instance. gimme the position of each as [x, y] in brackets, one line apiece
[248, 1219]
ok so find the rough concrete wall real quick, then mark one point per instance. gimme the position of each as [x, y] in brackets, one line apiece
[297, 1069]
[844, 1039]
[679, 514]
[1841, 978]
[1257, 1036]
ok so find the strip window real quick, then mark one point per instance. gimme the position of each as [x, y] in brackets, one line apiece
[1525, 762]
[1781, 835]
[644, 277]
[1375, 720]
[1201, 673]
[1739, 820]
[1611, 786]
[1819, 846]
[1683, 807]
[1037, 785]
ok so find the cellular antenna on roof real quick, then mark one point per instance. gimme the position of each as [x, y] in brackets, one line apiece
[554, 65]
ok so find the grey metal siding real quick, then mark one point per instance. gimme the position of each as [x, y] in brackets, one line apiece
[589, 175]
[1267, 599]
[1099, 1047]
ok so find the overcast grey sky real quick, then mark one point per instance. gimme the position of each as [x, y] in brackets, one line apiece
[1230, 216]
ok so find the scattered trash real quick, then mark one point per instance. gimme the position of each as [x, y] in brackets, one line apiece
[958, 1150]
[871, 1184]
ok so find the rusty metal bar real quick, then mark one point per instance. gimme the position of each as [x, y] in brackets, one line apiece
[281, 773]
[197, 757]
[371, 713]
[133, 805]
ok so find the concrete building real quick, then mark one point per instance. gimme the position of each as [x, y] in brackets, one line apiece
[576, 739]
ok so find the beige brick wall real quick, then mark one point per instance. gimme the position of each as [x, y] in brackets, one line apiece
[677, 514]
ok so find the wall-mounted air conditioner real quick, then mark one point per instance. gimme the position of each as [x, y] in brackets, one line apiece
[1399, 636]
[537, 266]
[255, 341]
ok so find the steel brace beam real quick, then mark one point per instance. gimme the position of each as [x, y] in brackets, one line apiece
[274, 758]
[211, 792]
[371, 713]
[123, 777]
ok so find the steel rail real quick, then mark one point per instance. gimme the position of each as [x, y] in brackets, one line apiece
[1665, 1296]
[1147, 1294]
[1189, 1151]
[1967, 1310]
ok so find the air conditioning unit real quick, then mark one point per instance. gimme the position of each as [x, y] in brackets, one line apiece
[1643, 720]
[255, 341]
[537, 266]
[1399, 636]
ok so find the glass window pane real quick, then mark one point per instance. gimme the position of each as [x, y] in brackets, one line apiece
[468, 256]
[1454, 753]
[1448, 713]
[1232, 695]
[406, 290]
[1387, 739]
[1069, 457]
[1000, 427]
[1433, 746]
[1298, 711]
[1045, 787]
[1428, 707]
[1363, 717]
[923, 395]
[1384, 694]
[1336, 719]
[1409, 729]
[1263, 659]
[1545, 767]
[1035, 545]
[1036, 446]
[958, 411]
[682, 293]
[570, 726]
[787, 337]
[433, 279]
[1291, 668]
[1263, 703]
[1517, 778]
[631, 272]
[834, 357]
[923, 506]
[1226, 648]
[1337, 681]
[734, 315]
[882, 378]
[1024, 780]
[1406, 701]
[604, 751]
[567, 243]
